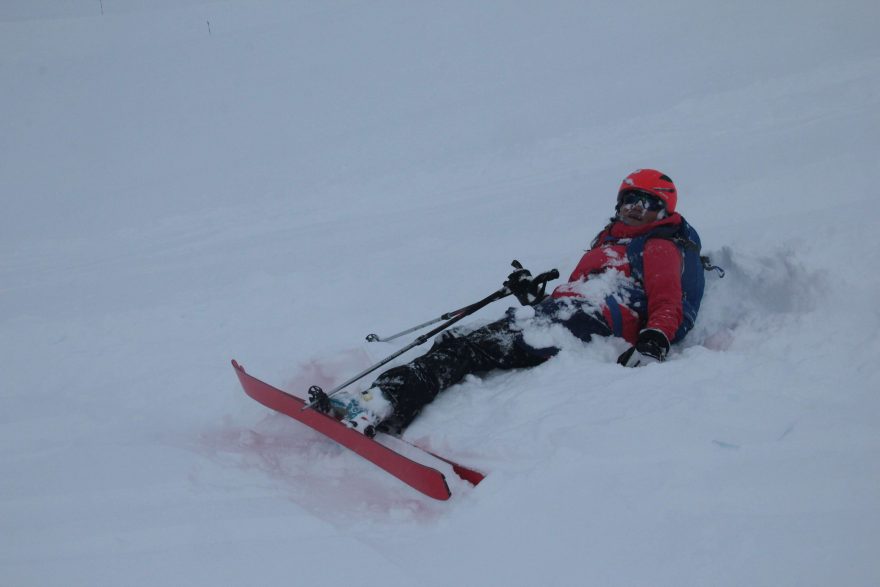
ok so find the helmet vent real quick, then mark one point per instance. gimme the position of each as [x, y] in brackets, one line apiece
[666, 178]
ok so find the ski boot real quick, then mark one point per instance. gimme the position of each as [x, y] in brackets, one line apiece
[361, 411]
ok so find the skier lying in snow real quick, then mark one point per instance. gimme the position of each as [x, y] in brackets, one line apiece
[642, 280]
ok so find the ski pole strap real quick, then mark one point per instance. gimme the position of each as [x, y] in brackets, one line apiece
[616, 315]
[541, 283]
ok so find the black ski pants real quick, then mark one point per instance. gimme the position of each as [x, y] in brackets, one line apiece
[499, 345]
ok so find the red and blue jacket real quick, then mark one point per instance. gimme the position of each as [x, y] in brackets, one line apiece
[633, 299]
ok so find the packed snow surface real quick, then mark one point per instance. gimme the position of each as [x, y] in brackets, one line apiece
[186, 182]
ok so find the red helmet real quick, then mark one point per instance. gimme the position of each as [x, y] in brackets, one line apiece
[653, 182]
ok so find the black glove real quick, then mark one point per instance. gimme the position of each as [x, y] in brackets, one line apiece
[651, 347]
[522, 286]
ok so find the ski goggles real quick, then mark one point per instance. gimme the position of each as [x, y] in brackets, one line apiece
[648, 201]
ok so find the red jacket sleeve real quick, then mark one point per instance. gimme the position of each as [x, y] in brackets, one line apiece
[662, 279]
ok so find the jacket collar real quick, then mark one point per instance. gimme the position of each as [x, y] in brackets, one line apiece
[621, 230]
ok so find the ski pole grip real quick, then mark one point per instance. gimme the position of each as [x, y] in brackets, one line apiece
[547, 276]
[541, 283]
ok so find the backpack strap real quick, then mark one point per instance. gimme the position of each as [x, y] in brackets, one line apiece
[708, 266]
[679, 235]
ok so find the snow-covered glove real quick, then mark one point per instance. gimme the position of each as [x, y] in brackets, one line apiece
[651, 347]
[522, 286]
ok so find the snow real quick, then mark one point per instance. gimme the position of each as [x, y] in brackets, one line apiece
[193, 181]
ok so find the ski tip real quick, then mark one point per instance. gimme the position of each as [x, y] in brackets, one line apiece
[471, 476]
[237, 366]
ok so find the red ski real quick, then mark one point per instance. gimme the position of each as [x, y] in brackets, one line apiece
[421, 477]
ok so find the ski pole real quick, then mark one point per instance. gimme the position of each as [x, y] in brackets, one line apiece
[322, 396]
[540, 281]
[446, 316]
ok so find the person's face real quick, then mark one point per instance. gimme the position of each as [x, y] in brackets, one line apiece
[639, 208]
